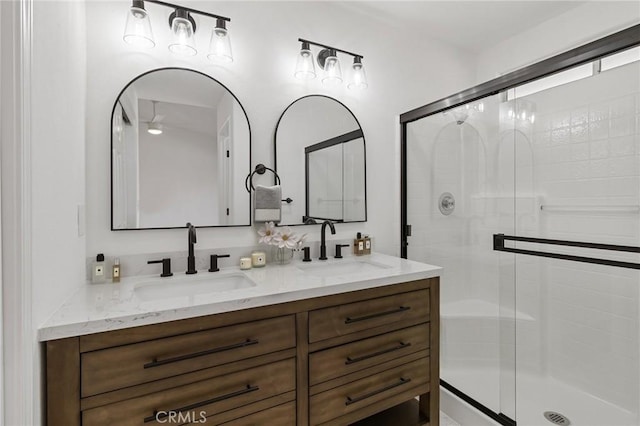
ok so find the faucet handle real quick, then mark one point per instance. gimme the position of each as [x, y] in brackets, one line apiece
[166, 266]
[213, 260]
[307, 254]
[339, 250]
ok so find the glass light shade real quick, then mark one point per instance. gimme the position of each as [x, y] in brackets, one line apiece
[137, 30]
[154, 128]
[183, 41]
[305, 69]
[220, 45]
[332, 71]
[358, 76]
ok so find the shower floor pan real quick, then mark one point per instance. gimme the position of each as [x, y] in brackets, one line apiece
[539, 394]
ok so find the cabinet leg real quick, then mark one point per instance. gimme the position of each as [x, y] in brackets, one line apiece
[429, 409]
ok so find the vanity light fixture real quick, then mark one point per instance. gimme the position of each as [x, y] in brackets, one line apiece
[522, 111]
[137, 30]
[328, 61]
[358, 76]
[220, 44]
[463, 112]
[305, 69]
[183, 28]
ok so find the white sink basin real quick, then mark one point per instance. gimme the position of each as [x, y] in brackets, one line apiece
[341, 267]
[198, 285]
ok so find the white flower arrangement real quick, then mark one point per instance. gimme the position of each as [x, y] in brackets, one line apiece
[282, 237]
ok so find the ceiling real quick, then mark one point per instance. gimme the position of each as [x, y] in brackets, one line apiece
[470, 25]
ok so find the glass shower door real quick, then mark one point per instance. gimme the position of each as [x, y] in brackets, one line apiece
[460, 191]
[578, 341]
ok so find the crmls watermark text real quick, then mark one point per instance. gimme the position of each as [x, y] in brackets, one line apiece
[181, 417]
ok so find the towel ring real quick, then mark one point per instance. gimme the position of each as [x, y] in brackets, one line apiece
[260, 169]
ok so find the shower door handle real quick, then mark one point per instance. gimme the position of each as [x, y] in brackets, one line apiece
[499, 239]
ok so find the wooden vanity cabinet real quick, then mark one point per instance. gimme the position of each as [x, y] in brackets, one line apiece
[332, 360]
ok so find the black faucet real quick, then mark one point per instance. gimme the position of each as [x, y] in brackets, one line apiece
[323, 245]
[191, 260]
[213, 260]
[339, 250]
[166, 266]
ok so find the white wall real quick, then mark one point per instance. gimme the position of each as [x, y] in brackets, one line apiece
[585, 23]
[58, 147]
[57, 160]
[264, 36]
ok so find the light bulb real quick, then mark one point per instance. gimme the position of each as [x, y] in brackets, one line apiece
[220, 43]
[305, 69]
[358, 76]
[182, 29]
[137, 30]
[332, 70]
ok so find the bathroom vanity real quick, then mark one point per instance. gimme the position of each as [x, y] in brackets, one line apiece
[303, 346]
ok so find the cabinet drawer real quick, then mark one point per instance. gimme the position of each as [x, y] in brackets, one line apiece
[123, 366]
[282, 415]
[353, 317]
[345, 359]
[197, 400]
[369, 390]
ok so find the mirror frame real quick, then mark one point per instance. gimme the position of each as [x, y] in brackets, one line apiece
[113, 110]
[364, 142]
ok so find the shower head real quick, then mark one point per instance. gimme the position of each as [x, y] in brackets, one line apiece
[460, 116]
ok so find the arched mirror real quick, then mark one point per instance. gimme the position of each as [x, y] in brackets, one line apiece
[180, 150]
[321, 160]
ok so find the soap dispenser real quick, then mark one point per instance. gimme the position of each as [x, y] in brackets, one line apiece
[115, 271]
[358, 245]
[98, 272]
[367, 245]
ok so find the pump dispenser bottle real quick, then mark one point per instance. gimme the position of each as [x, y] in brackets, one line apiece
[115, 271]
[358, 245]
[98, 271]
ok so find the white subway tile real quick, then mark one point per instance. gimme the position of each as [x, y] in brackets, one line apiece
[599, 149]
[623, 146]
[622, 126]
[598, 129]
[580, 116]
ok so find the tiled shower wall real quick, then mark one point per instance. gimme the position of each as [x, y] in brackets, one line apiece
[586, 152]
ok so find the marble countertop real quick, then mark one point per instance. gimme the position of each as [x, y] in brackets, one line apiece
[97, 308]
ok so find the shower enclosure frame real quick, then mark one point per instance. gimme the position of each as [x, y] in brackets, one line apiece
[590, 52]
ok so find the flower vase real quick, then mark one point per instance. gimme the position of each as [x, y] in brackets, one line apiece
[282, 255]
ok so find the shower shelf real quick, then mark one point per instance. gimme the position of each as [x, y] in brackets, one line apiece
[475, 309]
[590, 209]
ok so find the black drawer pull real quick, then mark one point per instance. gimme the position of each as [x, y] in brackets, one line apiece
[350, 360]
[157, 363]
[158, 415]
[350, 320]
[350, 400]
